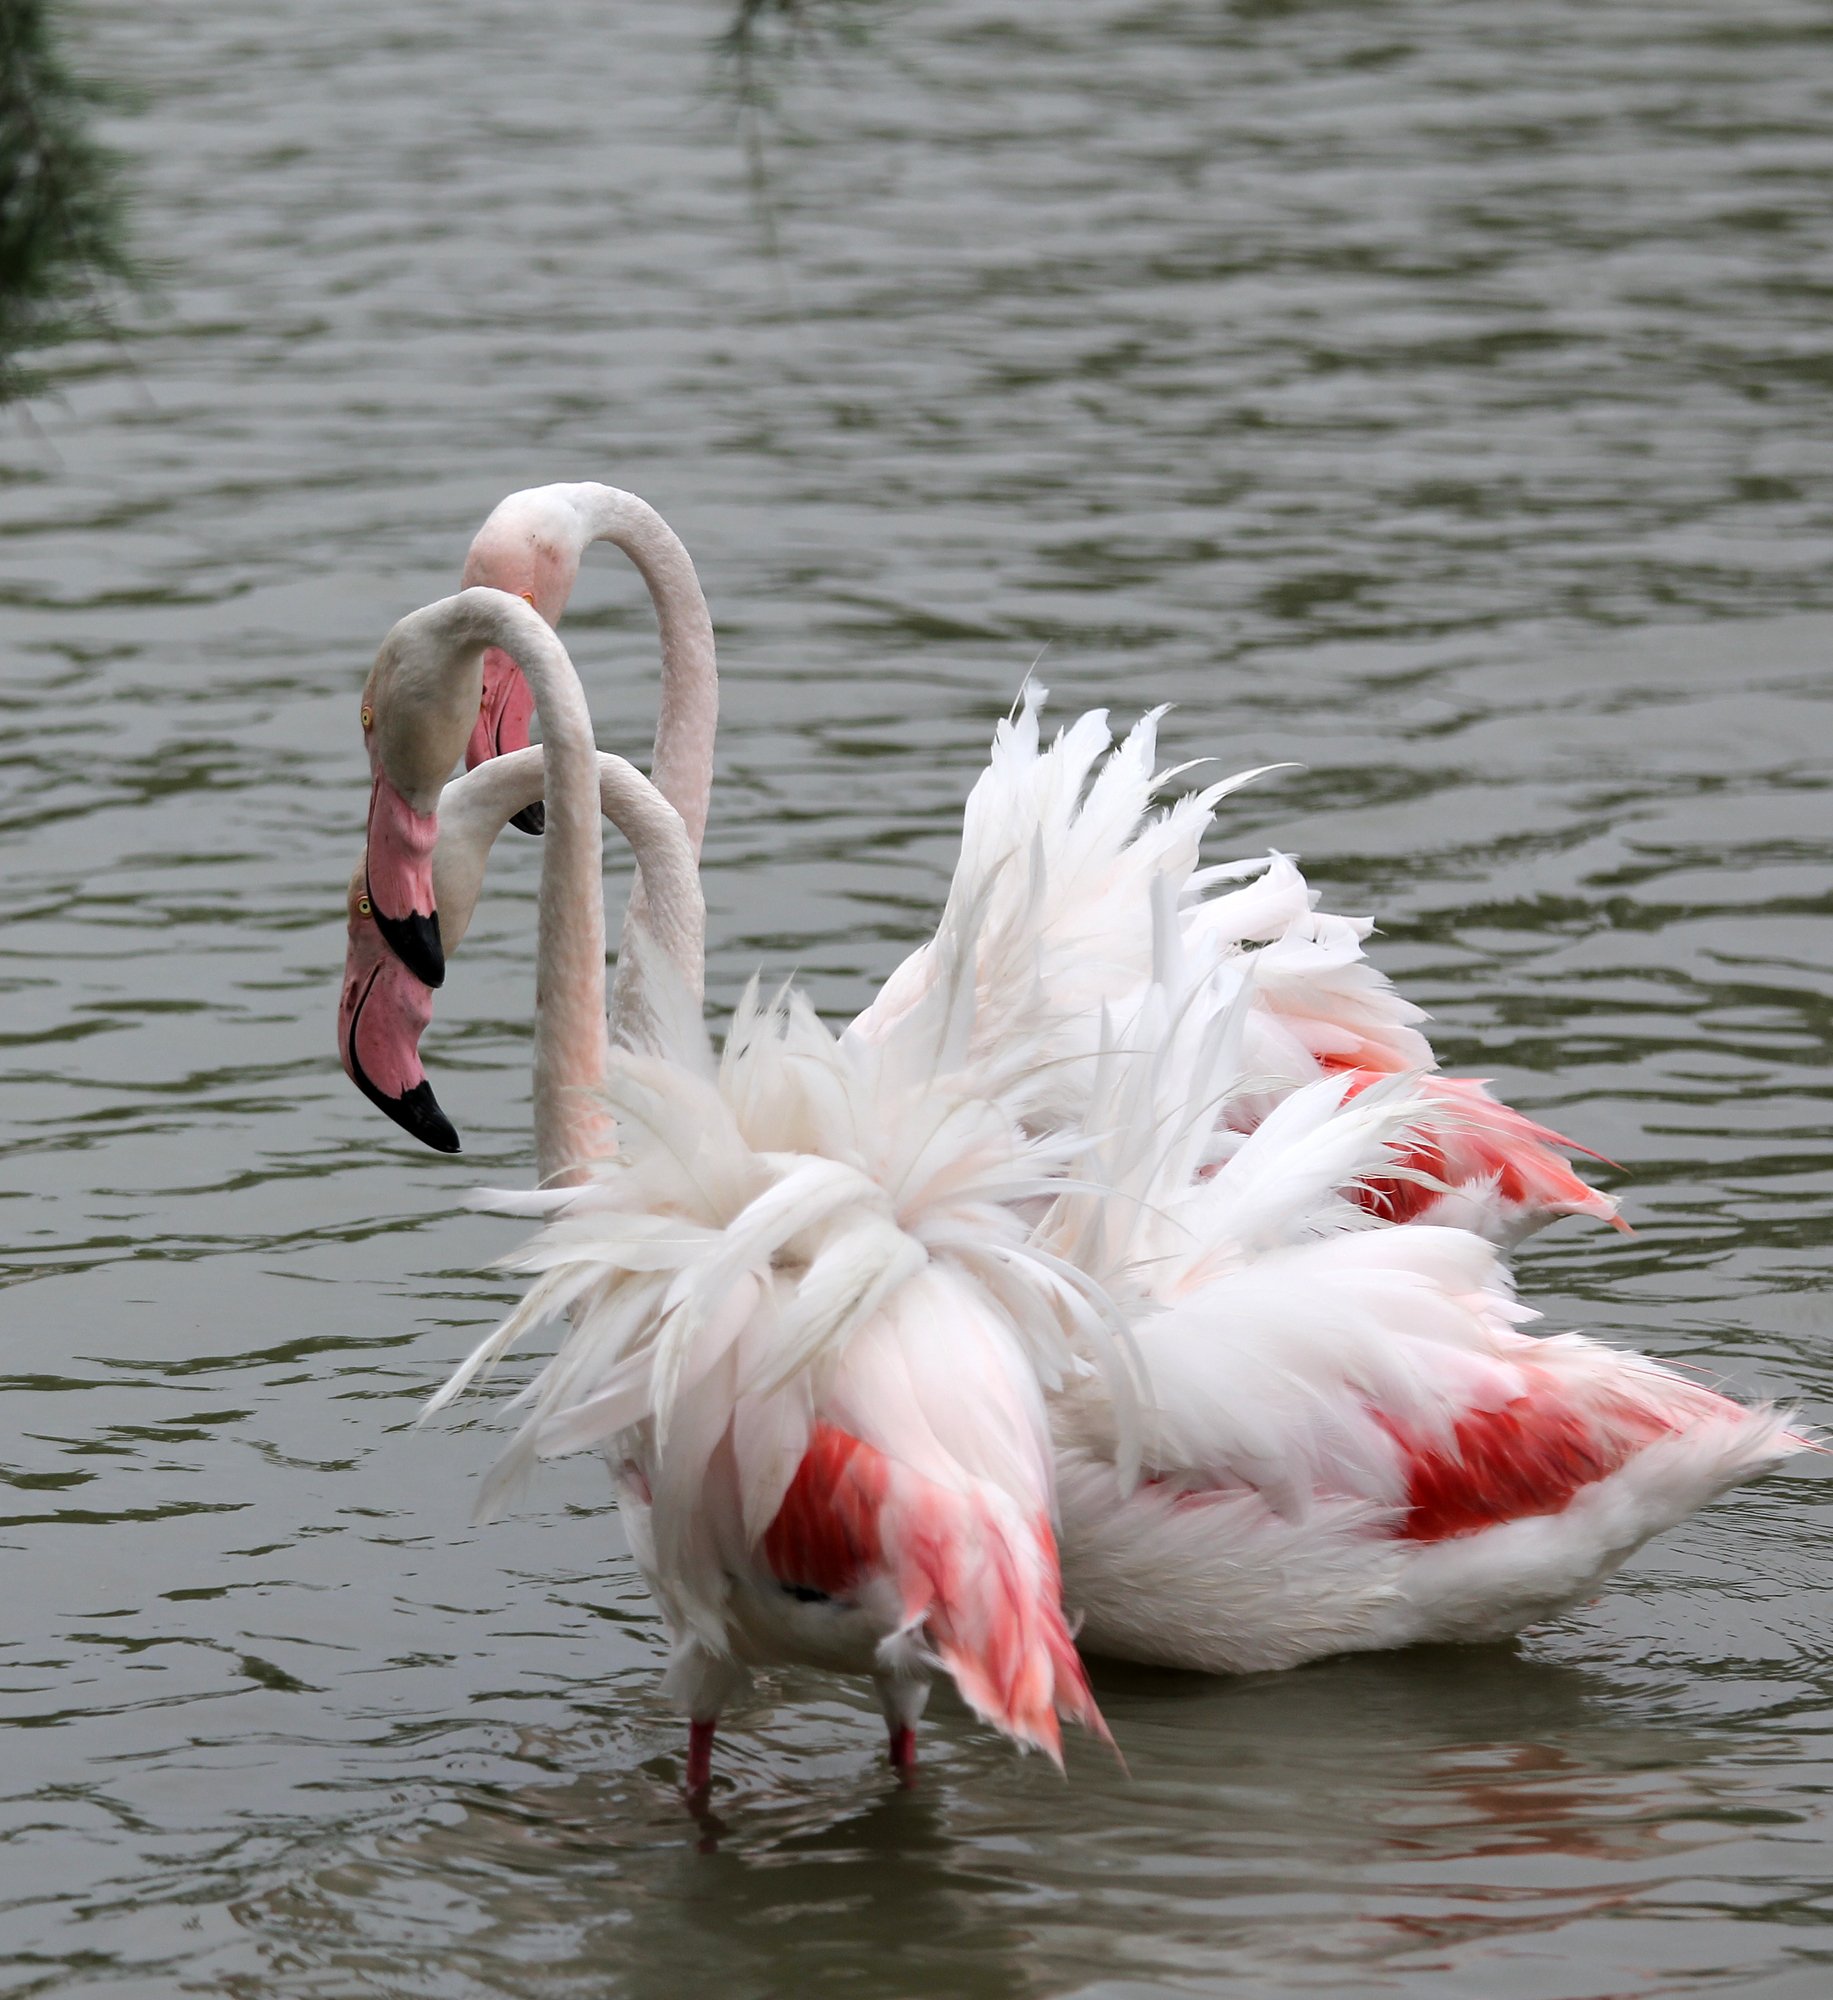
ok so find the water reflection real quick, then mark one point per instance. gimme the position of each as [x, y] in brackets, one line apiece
[63, 233]
[1360, 1816]
[758, 56]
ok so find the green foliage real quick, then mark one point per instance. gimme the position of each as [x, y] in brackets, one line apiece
[63, 245]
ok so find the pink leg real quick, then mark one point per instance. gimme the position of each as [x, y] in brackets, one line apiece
[700, 1755]
[903, 1751]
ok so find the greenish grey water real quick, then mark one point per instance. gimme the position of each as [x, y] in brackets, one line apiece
[1438, 396]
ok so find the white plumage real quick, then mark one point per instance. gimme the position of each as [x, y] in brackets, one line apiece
[1316, 1434]
[1076, 1231]
[812, 1335]
[1346, 1440]
[1062, 850]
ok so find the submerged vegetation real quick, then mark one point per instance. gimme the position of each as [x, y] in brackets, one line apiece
[758, 48]
[764, 34]
[793, 19]
[63, 238]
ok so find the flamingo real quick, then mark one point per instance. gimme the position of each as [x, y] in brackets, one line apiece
[1350, 1441]
[1333, 1435]
[384, 1009]
[1323, 1007]
[531, 547]
[808, 1327]
[1464, 1481]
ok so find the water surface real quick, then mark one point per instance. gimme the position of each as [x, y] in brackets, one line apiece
[1436, 396]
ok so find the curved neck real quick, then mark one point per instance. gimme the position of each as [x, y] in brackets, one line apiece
[681, 767]
[474, 809]
[532, 542]
[666, 899]
[572, 1126]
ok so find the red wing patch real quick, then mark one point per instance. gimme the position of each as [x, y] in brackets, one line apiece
[825, 1535]
[1397, 1198]
[1482, 1140]
[990, 1607]
[1529, 1458]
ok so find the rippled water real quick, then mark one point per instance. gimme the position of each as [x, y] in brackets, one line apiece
[1436, 395]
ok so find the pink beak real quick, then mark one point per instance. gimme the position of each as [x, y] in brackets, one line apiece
[502, 725]
[400, 881]
[382, 1012]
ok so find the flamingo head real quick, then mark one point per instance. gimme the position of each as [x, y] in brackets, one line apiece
[530, 547]
[418, 704]
[382, 1012]
[502, 726]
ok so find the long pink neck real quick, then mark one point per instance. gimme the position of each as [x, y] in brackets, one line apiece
[572, 1126]
[682, 764]
[533, 542]
[474, 809]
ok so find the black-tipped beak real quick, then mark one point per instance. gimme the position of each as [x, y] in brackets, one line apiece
[417, 1111]
[531, 819]
[414, 940]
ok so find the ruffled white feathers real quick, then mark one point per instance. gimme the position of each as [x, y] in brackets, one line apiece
[804, 1232]
[1063, 862]
[1092, 1188]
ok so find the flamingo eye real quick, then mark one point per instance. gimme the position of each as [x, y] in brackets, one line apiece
[362, 906]
[369, 716]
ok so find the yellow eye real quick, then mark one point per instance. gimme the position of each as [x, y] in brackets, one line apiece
[369, 716]
[362, 906]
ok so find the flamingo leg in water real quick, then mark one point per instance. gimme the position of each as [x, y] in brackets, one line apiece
[700, 1755]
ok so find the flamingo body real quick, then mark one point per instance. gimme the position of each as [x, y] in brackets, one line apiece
[802, 1318]
[1496, 1491]
[1348, 1441]
[841, 1312]
[808, 1333]
[1061, 848]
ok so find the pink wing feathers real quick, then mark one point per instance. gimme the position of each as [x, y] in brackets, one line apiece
[1475, 1143]
[980, 1581]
